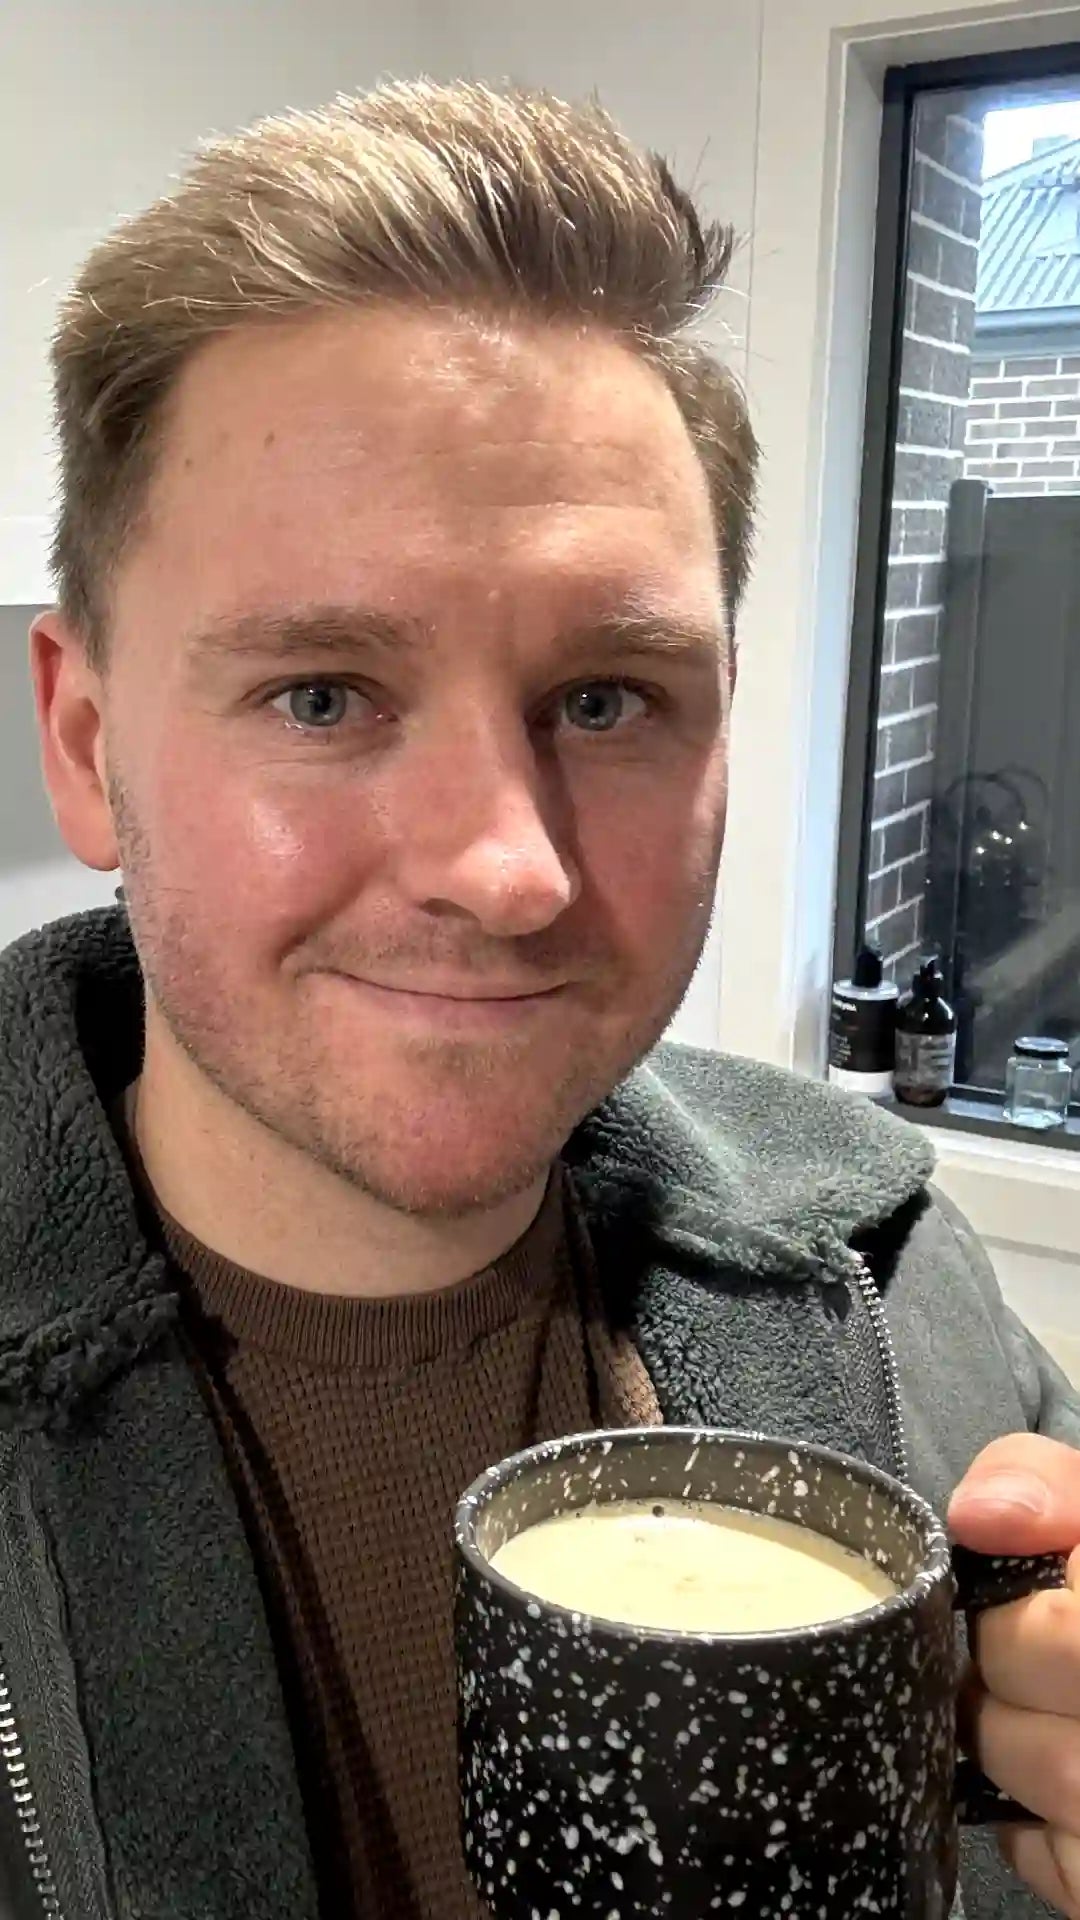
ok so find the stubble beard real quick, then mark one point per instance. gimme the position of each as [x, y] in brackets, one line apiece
[284, 1092]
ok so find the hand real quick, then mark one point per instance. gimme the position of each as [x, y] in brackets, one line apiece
[1022, 1495]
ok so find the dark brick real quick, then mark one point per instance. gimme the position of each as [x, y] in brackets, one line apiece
[981, 410]
[1020, 365]
[982, 430]
[906, 739]
[1067, 409]
[1064, 486]
[942, 316]
[983, 389]
[1046, 469]
[932, 369]
[928, 133]
[924, 423]
[963, 147]
[924, 250]
[903, 837]
[919, 780]
[914, 637]
[1023, 486]
[896, 691]
[1070, 363]
[916, 529]
[1037, 428]
[888, 795]
[1024, 409]
[902, 585]
[991, 469]
[913, 883]
[924, 476]
[959, 264]
[1039, 389]
[931, 583]
[877, 851]
[898, 965]
[882, 894]
[896, 932]
[984, 368]
[945, 201]
[925, 691]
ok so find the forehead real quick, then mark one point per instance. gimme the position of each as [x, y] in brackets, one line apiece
[399, 451]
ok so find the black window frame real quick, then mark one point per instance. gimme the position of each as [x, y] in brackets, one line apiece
[974, 1109]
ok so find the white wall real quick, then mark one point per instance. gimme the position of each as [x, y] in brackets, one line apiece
[102, 100]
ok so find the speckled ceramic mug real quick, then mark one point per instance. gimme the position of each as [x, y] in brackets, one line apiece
[610, 1772]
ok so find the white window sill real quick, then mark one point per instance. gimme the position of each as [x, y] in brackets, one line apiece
[1022, 1193]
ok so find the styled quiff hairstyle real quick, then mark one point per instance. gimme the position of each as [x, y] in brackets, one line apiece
[466, 196]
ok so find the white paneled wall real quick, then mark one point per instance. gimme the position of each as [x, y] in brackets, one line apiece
[102, 102]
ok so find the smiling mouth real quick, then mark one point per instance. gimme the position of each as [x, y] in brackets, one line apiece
[455, 1004]
[473, 993]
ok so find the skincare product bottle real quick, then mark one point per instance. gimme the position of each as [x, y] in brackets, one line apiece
[925, 1039]
[862, 1029]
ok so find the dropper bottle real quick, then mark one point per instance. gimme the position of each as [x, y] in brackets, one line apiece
[925, 1039]
[862, 1028]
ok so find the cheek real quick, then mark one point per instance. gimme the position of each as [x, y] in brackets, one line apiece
[269, 856]
[650, 859]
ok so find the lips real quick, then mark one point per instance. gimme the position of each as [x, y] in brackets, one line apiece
[481, 991]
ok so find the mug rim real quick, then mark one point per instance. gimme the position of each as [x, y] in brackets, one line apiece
[488, 1484]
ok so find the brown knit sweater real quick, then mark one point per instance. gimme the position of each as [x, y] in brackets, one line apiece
[350, 1427]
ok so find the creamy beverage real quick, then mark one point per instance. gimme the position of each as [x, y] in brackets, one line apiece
[690, 1566]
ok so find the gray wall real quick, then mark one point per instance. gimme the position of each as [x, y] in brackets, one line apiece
[27, 831]
[39, 879]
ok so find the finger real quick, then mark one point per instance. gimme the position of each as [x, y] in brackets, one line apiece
[1033, 1757]
[1028, 1653]
[1050, 1863]
[1022, 1495]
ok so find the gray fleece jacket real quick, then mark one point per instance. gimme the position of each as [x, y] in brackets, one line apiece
[735, 1214]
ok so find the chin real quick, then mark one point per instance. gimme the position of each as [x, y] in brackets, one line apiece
[460, 1149]
[442, 1185]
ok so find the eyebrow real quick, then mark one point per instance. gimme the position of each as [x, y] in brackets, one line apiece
[291, 632]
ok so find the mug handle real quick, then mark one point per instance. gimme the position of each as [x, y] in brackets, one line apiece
[987, 1580]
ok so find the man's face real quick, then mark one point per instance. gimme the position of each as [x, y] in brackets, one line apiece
[415, 728]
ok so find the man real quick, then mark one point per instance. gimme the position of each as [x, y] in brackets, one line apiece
[402, 534]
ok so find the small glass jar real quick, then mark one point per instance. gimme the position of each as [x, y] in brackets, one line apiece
[1038, 1083]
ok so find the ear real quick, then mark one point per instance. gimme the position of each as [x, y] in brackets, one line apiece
[69, 696]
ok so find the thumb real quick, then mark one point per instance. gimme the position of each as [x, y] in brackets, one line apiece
[1022, 1495]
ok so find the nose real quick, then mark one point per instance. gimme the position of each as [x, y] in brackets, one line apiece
[484, 831]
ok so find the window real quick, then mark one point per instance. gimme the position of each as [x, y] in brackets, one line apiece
[961, 816]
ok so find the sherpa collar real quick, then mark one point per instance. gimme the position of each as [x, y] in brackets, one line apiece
[720, 1163]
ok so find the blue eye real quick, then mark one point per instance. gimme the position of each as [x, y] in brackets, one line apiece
[599, 706]
[317, 703]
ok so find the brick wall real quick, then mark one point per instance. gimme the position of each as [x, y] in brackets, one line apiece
[1023, 423]
[939, 320]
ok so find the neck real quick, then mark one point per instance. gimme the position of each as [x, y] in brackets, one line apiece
[259, 1202]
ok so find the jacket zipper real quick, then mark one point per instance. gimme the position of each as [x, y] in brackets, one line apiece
[57, 1860]
[25, 1805]
[886, 1352]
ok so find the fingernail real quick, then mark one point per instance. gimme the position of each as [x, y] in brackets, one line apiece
[1015, 1490]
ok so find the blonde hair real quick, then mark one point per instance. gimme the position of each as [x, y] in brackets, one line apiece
[451, 195]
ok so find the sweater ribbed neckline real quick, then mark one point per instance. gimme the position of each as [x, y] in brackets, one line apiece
[384, 1334]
